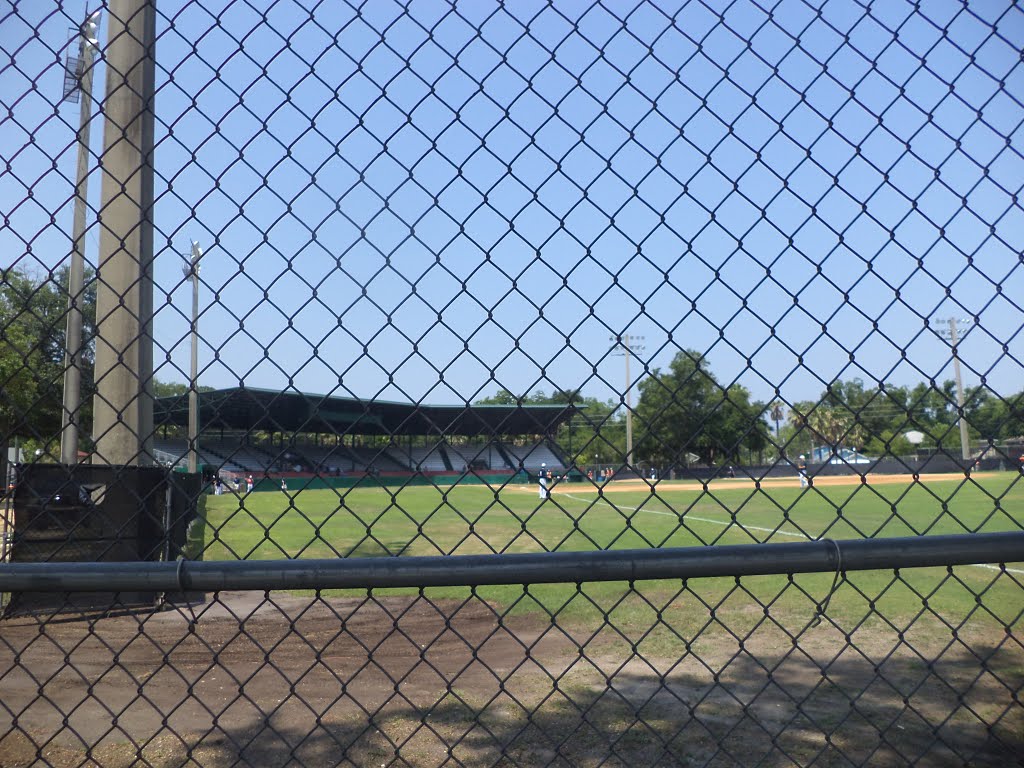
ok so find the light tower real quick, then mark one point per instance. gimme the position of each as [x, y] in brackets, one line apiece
[77, 86]
[954, 339]
[627, 345]
[190, 269]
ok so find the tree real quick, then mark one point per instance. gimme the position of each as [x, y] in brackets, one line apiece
[799, 433]
[591, 430]
[995, 419]
[170, 388]
[565, 397]
[594, 433]
[685, 410]
[835, 427]
[501, 397]
[777, 413]
[33, 324]
[19, 357]
[875, 419]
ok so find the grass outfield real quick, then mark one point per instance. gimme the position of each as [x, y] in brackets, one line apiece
[474, 519]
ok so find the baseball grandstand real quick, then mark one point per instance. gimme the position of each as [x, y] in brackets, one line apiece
[334, 441]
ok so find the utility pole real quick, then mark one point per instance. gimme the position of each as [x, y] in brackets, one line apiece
[954, 340]
[123, 404]
[191, 272]
[78, 82]
[625, 346]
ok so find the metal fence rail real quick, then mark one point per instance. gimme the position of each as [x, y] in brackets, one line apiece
[826, 555]
[558, 384]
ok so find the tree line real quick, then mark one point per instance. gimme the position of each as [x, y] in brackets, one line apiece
[876, 419]
[683, 414]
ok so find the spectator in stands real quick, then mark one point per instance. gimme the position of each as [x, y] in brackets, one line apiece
[542, 482]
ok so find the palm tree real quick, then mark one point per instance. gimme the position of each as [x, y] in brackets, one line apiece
[778, 413]
[798, 420]
[836, 427]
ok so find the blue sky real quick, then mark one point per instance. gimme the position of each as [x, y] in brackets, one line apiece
[420, 202]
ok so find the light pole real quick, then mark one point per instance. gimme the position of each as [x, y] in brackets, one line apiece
[122, 406]
[954, 339]
[626, 345]
[78, 82]
[191, 271]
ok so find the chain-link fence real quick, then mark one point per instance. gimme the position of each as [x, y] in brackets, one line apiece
[511, 384]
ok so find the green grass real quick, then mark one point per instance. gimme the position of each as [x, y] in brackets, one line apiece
[475, 519]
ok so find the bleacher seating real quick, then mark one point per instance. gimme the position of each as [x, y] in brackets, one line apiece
[530, 457]
[227, 456]
[324, 457]
[464, 456]
[250, 458]
[380, 459]
[175, 452]
[241, 457]
[426, 459]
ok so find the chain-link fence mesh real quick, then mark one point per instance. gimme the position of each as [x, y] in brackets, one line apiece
[511, 384]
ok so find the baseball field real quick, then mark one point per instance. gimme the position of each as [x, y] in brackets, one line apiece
[477, 519]
[893, 667]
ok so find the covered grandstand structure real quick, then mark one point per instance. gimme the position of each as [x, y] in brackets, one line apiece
[273, 433]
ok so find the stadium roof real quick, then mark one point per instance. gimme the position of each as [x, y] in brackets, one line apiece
[246, 408]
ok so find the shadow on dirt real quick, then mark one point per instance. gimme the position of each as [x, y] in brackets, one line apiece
[285, 680]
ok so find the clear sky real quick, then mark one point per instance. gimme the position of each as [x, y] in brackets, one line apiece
[428, 202]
